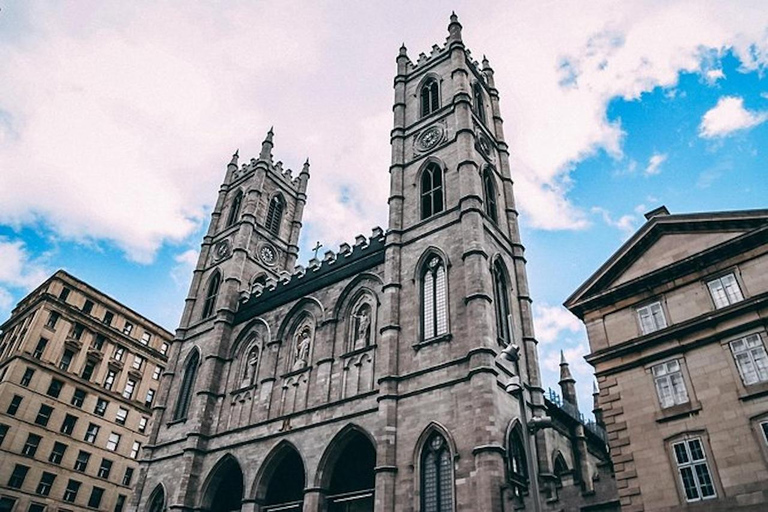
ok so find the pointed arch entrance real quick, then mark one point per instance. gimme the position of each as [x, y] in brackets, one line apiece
[348, 476]
[224, 487]
[280, 486]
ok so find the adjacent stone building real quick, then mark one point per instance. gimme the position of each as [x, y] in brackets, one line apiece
[399, 373]
[677, 322]
[79, 374]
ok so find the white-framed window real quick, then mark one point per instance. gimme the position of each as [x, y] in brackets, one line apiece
[109, 380]
[119, 353]
[157, 373]
[651, 317]
[135, 449]
[670, 386]
[113, 441]
[130, 385]
[121, 416]
[434, 296]
[145, 338]
[751, 359]
[692, 466]
[138, 361]
[725, 291]
[143, 424]
[164, 348]
[127, 328]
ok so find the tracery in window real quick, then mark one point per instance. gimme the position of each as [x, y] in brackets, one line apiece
[234, 210]
[490, 196]
[501, 297]
[275, 215]
[477, 93]
[431, 190]
[187, 386]
[210, 296]
[434, 298]
[430, 97]
[436, 475]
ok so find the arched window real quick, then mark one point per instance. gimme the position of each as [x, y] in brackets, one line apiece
[518, 468]
[430, 97]
[275, 215]
[234, 210]
[502, 304]
[187, 386]
[434, 298]
[436, 475]
[157, 500]
[490, 196]
[210, 295]
[431, 190]
[477, 93]
[560, 466]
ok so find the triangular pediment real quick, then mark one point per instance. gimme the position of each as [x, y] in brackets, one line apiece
[665, 240]
[670, 248]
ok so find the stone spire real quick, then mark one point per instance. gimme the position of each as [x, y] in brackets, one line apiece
[235, 157]
[596, 409]
[567, 382]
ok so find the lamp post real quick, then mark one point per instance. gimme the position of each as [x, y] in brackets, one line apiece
[514, 387]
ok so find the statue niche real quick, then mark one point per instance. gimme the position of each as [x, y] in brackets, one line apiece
[302, 341]
[361, 326]
[250, 365]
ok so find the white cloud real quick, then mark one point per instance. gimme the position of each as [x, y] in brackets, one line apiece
[117, 118]
[6, 301]
[727, 117]
[654, 164]
[713, 75]
[553, 321]
[186, 261]
[18, 269]
[626, 223]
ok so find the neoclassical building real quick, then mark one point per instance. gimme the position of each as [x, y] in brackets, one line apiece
[397, 373]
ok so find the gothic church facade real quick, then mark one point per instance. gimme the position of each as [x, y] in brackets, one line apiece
[398, 373]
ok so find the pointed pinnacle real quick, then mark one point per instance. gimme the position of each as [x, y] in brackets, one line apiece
[454, 18]
[307, 162]
[403, 49]
[562, 358]
[235, 156]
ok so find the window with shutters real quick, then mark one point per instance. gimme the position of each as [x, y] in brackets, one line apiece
[430, 97]
[431, 190]
[434, 298]
[275, 215]
[436, 475]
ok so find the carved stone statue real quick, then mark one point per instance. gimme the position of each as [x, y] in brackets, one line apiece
[362, 327]
[301, 344]
[249, 375]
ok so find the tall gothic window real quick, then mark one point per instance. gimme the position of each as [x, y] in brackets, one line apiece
[234, 210]
[430, 97]
[477, 93]
[431, 190]
[187, 386]
[502, 304]
[490, 196]
[210, 295]
[518, 468]
[434, 298]
[436, 475]
[275, 215]
[157, 501]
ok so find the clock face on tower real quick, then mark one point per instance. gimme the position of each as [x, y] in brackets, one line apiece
[267, 254]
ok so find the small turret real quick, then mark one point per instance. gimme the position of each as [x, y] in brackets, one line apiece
[454, 29]
[596, 409]
[488, 73]
[266, 147]
[567, 382]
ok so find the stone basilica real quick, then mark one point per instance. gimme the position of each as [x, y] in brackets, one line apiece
[399, 373]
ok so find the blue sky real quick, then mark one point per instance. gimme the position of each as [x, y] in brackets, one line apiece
[117, 121]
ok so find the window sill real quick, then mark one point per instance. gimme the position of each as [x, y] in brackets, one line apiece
[298, 371]
[753, 391]
[430, 341]
[176, 422]
[357, 351]
[678, 411]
